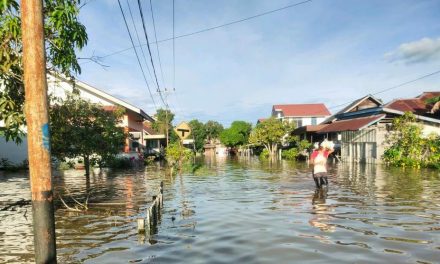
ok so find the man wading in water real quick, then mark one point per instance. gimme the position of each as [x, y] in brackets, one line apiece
[319, 161]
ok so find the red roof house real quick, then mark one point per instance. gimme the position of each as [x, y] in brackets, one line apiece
[301, 110]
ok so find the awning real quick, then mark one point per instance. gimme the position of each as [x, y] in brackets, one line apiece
[351, 124]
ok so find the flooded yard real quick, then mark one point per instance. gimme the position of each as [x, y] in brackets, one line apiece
[237, 211]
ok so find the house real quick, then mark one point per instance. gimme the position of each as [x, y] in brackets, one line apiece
[301, 114]
[361, 128]
[132, 121]
[155, 142]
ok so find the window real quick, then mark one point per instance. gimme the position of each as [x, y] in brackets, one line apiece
[298, 122]
[314, 121]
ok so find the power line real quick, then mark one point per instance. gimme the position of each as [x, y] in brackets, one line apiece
[137, 56]
[211, 28]
[138, 39]
[174, 51]
[148, 44]
[157, 45]
[393, 87]
[408, 82]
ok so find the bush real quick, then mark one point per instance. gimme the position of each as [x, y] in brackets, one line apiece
[290, 154]
[408, 147]
[65, 165]
[264, 154]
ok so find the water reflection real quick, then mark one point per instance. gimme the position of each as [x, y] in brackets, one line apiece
[239, 210]
[321, 211]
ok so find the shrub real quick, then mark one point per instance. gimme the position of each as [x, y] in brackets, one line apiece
[264, 154]
[290, 154]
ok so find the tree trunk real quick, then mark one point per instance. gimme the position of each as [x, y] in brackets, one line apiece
[87, 164]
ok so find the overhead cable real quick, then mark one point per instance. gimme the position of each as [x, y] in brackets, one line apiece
[137, 55]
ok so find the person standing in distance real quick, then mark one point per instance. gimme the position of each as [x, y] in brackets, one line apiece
[319, 161]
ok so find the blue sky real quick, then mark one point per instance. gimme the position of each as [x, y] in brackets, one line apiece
[322, 51]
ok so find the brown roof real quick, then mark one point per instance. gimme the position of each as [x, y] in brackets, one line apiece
[311, 128]
[351, 124]
[150, 131]
[415, 105]
[303, 109]
[428, 95]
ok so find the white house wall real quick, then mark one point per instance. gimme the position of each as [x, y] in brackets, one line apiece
[58, 88]
[430, 129]
[306, 121]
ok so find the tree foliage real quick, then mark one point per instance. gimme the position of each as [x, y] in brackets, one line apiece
[271, 133]
[236, 135]
[408, 148]
[213, 130]
[198, 132]
[164, 119]
[82, 129]
[63, 33]
[176, 155]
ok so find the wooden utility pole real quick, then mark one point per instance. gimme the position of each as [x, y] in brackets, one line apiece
[36, 109]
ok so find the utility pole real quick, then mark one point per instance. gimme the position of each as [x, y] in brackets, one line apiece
[36, 109]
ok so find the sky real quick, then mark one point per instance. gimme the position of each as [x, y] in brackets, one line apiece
[322, 51]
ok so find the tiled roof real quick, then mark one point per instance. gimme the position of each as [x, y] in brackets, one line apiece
[351, 124]
[303, 109]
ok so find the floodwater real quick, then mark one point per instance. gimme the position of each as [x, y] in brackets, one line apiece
[237, 211]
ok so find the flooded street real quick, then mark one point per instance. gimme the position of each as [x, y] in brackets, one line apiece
[237, 211]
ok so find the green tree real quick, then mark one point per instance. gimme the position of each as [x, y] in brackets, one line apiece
[270, 133]
[213, 129]
[82, 129]
[176, 155]
[406, 144]
[64, 34]
[164, 119]
[198, 133]
[237, 134]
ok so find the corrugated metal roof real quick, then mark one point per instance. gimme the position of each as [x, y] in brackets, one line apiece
[415, 106]
[351, 124]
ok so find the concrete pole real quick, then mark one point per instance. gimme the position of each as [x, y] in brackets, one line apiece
[36, 109]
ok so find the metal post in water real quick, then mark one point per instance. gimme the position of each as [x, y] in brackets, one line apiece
[37, 119]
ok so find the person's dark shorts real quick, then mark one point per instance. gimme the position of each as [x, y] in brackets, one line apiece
[319, 174]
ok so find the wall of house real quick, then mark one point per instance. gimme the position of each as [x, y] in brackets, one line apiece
[305, 121]
[365, 146]
[59, 88]
[428, 129]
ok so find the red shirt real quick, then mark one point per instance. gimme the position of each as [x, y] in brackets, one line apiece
[315, 154]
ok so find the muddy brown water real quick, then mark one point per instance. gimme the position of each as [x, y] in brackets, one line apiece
[237, 211]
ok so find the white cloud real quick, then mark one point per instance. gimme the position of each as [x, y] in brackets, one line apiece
[423, 50]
